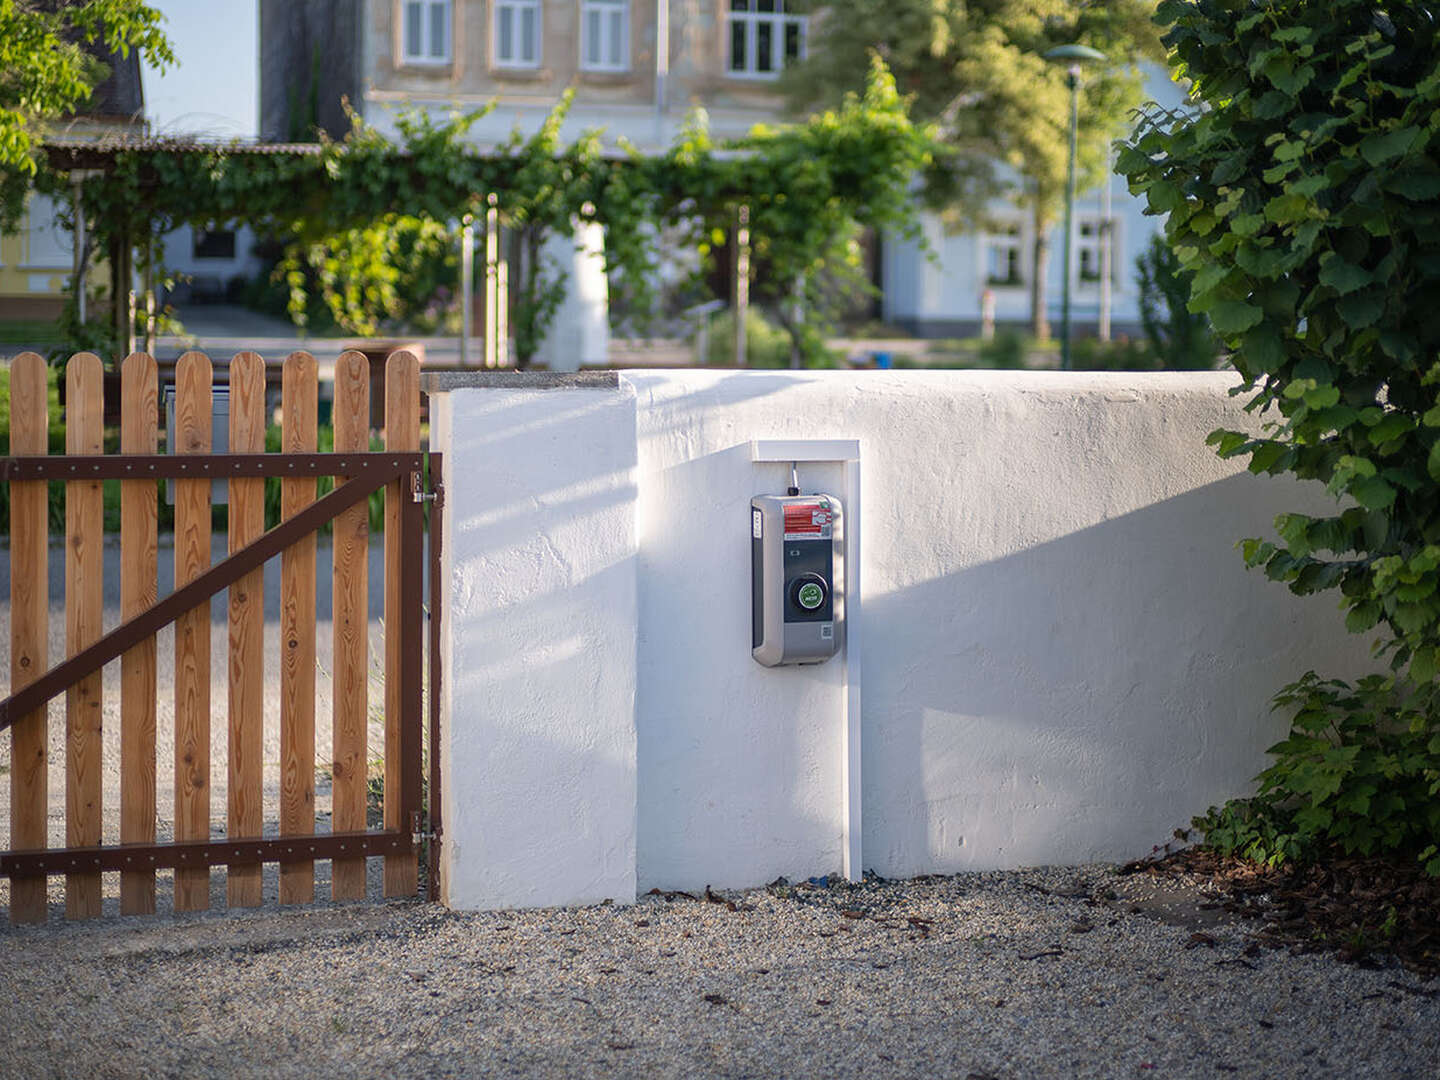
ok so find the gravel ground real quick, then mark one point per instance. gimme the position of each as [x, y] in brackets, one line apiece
[1036, 973]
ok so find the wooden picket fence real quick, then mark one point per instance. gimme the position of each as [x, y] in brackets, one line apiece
[195, 464]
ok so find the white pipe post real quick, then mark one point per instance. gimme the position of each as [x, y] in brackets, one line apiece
[662, 67]
[492, 290]
[467, 286]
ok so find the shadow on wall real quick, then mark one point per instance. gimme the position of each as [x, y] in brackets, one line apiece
[1080, 699]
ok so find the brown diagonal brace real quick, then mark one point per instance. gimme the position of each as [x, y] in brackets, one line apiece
[199, 466]
[202, 853]
[220, 576]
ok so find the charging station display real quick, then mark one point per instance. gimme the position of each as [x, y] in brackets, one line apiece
[797, 578]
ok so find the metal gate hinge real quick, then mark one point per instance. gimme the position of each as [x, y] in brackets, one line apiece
[418, 492]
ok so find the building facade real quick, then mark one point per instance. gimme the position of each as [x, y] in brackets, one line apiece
[637, 68]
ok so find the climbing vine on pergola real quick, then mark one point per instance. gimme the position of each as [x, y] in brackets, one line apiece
[807, 187]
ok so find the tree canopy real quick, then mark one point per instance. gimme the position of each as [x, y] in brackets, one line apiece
[977, 69]
[48, 69]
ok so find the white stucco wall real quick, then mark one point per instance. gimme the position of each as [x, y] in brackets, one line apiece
[1063, 655]
[538, 691]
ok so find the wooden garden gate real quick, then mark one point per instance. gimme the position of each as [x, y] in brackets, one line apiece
[293, 842]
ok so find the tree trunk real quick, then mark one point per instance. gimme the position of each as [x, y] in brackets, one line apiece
[1039, 323]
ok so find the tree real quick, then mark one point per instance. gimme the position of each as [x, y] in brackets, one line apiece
[977, 68]
[48, 69]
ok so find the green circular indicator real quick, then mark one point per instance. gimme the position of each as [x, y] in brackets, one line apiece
[810, 596]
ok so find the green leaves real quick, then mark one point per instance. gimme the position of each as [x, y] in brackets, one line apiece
[1232, 317]
[1379, 148]
[1317, 260]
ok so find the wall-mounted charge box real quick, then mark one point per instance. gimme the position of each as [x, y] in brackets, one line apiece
[797, 570]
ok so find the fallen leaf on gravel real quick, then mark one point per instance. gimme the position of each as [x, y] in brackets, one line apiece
[853, 913]
[1197, 939]
[717, 999]
[822, 1001]
[620, 1046]
[1052, 951]
[1266, 1024]
[642, 922]
[671, 894]
[1082, 927]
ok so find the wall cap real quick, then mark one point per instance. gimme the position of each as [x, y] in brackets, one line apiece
[438, 382]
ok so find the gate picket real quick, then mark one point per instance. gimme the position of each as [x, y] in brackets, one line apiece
[299, 404]
[84, 566]
[192, 631]
[139, 562]
[29, 628]
[245, 818]
[402, 432]
[244, 465]
[351, 630]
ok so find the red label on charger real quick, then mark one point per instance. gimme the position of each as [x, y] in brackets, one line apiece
[808, 521]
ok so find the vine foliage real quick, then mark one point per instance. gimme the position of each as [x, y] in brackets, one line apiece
[1304, 196]
[337, 208]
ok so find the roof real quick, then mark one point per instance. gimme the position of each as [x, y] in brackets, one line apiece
[72, 150]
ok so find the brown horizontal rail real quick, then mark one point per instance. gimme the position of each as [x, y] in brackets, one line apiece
[220, 576]
[200, 466]
[161, 856]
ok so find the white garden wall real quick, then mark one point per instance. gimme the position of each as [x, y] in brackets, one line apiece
[1063, 657]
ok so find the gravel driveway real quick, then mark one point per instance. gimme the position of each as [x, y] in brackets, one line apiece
[1044, 973]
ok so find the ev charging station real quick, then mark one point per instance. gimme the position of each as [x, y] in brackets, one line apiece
[805, 594]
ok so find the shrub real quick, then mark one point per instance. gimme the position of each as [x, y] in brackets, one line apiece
[1358, 770]
[1007, 349]
[1305, 200]
[766, 345]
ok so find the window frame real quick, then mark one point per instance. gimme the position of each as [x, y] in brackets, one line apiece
[606, 10]
[1010, 241]
[427, 24]
[517, 9]
[780, 20]
[1093, 246]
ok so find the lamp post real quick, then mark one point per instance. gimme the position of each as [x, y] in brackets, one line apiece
[1074, 55]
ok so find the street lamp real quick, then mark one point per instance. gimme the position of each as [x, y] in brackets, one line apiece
[1075, 55]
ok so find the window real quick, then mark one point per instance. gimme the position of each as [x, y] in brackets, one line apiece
[214, 244]
[51, 245]
[605, 35]
[1088, 243]
[763, 38]
[517, 33]
[426, 32]
[1002, 255]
